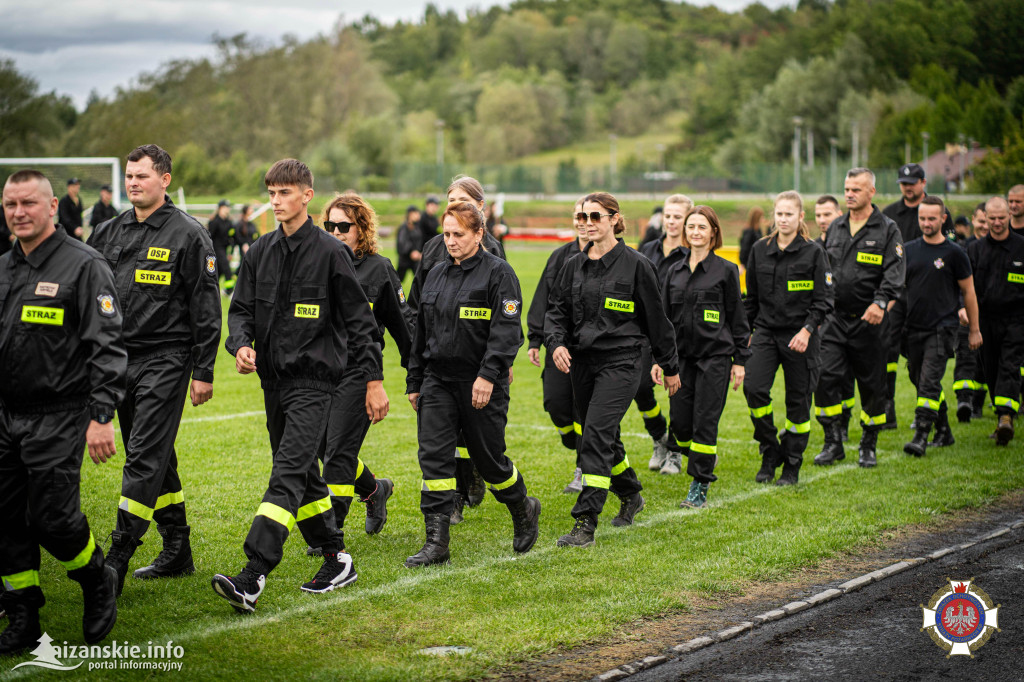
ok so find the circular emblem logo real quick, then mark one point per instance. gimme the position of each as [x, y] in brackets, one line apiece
[211, 265]
[510, 308]
[960, 618]
[106, 303]
[938, 263]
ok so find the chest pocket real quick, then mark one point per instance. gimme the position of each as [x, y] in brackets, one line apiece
[154, 272]
[5, 290]
[618, 299]
[473, 307]
[372, 292]
[800, 279]
[577, 301]
[48, 315]
[428, 309]
[869, 257]
[708, 308]
[307, 305]
[112, 252]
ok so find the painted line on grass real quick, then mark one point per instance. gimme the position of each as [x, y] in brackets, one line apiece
[417, 577]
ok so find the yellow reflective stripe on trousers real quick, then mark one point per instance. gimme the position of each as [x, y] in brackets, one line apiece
[83, 557]
[593, 481]
[928, 403]
[757, 412]
[438, 484]
[804, 427]
[360, 467]
[848, 403]
[620, 467]
[308, 511]
[1022, 371]
[704, 449]
[275, 513]
[578, 428]
[20, 581]
[830, 411]
[462, 453]
[564, 430]
[136, 508]
[508, 483]
[652, 413]
[868, 420]
[892, 366]
[1003, 401]
[683, 443]
[342, 490]
[966, 384]
[169, 499]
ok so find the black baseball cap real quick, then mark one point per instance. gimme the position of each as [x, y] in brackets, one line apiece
[74, 181]
[432, 200]
[223, 202]
[911, 173]
[105, 188]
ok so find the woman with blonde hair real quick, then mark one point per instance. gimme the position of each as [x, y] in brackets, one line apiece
[789, 294]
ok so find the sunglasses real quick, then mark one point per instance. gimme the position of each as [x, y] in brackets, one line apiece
[595, 217]
[341, 227]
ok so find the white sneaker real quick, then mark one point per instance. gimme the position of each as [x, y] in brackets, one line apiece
[672, 463]
[337, 571]
[576, 485]
[659, 454]
[241, 591]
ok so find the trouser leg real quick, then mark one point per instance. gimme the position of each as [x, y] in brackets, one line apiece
[965, 370]
[757, 388]
[558, 402]
[800, 372]
[936, 349]
[646, 402]
[346, 429]
[682, 404]
[296, 494]
[437, 426]
[835, 370]
[866, 346]
[709, 401]
[895, 321]
[603, 391]
[149, 419]
[484, 430]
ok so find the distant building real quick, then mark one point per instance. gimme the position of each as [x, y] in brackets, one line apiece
[953, 164]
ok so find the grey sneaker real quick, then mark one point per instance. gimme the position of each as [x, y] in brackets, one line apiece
[660, 453]
[576, 485]
[673, 463]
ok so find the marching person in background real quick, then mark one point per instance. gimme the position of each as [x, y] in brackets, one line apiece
[409, 243]
[789, 295]
[468, 332]
[245, 233]
[103, 210]
[166, 277]
[702, 296]
[603, 307]
[655, 227]
[300, 319]
[354, 223]
[865, 255]
[663, 252]
[69, 210]
[428, 224]
[222, 234]
[968, 374]
[938, 274]
[751, 233]
[64, 370]
[557, 386]
[998, 265]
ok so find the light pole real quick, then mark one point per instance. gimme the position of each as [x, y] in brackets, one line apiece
[810, 148]
[661, 155]
[612, 170]
[962, 152]
[797, 122]
[855, 161]
[924, 143]
[439, 125]
[833, 142]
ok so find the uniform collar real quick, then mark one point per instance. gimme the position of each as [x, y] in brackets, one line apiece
[295, 240]
[794, 246]
[470, 262]
[704, 264]
[609, 258]
[158, 217]
[41, 252]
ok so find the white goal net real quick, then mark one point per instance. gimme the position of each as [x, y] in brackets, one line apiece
[93, 171]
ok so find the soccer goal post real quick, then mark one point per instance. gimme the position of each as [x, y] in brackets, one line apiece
[93, 171]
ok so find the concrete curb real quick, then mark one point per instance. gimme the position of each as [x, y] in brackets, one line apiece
[627, 669]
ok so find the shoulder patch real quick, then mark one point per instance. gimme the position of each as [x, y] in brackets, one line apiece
[106, 303]
[401, 294]
[211, 264]
[510, 308]
[828, 278]
[899, 250]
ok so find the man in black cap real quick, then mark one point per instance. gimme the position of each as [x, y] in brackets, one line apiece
[222, 234]
[104, 210]
[428, 221]
[69, 210]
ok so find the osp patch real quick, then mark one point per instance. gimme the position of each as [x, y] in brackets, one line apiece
[106, 303]
[211, 264]
[899, 250]
[401, 295]
[509, 308]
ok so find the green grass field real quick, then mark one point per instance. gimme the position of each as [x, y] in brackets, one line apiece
[509, 609]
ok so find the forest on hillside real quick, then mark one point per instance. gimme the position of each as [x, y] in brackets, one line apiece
[542, 74]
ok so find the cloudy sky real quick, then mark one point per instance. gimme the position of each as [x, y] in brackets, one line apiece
[77, 46]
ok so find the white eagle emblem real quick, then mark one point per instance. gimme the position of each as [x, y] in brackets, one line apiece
[939, 263]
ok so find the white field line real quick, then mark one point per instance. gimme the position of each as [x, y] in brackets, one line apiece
[420, 576]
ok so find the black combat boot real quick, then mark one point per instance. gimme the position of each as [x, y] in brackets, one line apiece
[629, 507]
[435, 549]
[919, 444]
[122, 547]
[769, 460]
[99, 595]
[582, 533]
[844, 425]
[943, 432]
[890, 416]
[525, 523]
[868, 443]
[23, 631]
[832, 451]
[175, 559]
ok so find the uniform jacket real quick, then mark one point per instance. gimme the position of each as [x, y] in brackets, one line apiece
[434, 252]
[380, 283]
[407, 239]
[998, 275]
[299, 304]
[905, 218]
[60, 329]
[788, 289]
[655, 252]
[222, 232]
[69, 214]
[166, 278]
[245, 232]
[866, 268]
[101, 213]
[610, 304]
[539, 304]
[706, 309]
[468, 324]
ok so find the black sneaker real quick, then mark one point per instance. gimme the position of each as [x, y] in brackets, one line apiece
[581, 535]
[377, 506]
[241, 591]
[963, 412]
[631, 506]
[314, 551]
[338, 571]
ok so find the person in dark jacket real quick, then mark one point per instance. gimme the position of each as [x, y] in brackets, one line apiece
[103, 210]
[6, 238]
[222, 234]
[968, 374]
[655, 227]
[663, 253]
[428, 224]
[246, 233]
[751, 233]
[468, 332]
[69, 210]
[602, 308]
[789, 294]
[557, 386]
[354, 222]
[62, 372]
[409, 243]
[300, 320]
[166, 277]
[702, 296]
[865, 252]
